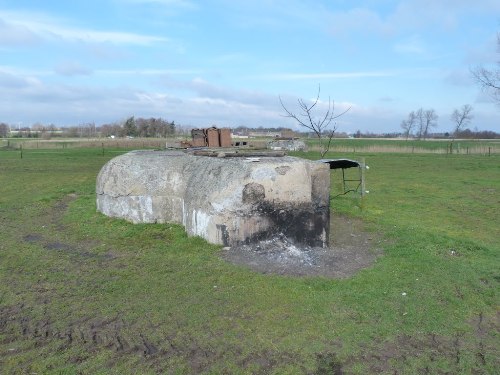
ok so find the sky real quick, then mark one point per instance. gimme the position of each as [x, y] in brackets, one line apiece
[228, 62]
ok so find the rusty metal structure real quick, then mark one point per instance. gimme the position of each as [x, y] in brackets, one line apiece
[211, 137]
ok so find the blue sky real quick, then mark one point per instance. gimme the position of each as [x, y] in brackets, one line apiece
[226, 62]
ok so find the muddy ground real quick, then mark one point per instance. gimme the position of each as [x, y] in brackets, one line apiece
[351, 249]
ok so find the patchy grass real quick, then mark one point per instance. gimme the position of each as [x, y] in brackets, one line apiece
[83, 293]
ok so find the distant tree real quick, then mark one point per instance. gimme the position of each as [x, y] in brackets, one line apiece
[4, 130]
[38, 127]
[489, 79]
[142, 127]
[430, 121]
[171, 128]
[106, 130]
[149, 127]
[420, 117]
[52, 129]
[319, 125]
[83, 130]
[25, 132]
[71, 132]
[461, 117]
[409, 124]
[91, 129]
[129, 127]
[421, 120]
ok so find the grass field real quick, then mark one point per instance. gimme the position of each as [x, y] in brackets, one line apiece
[342, 145]
[83, 293]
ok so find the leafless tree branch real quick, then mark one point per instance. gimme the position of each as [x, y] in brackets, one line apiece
[489, 80]
[461, 117]
[318, 125]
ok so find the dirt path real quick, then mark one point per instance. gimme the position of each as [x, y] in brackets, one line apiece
[352, 249]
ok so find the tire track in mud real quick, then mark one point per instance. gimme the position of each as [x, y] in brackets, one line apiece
[94, 333]
[56, 213]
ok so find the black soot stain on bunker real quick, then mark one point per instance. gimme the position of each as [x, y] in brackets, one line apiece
[298, 222]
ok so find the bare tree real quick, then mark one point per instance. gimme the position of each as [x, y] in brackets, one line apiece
[421, 120]
[319, 125]
[489, 80]
[420, 117]
[461, 117]
[409, 124]
[430, 121]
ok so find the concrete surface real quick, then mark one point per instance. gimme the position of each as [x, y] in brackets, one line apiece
[227, 201]
[287, 145]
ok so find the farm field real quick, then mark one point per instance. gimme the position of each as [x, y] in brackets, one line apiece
[340, 145]
[84, 293]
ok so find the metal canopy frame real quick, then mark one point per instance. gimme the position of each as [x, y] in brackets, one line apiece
[346, 164]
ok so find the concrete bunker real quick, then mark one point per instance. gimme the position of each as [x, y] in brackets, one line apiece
[226, 200]
[287, 145]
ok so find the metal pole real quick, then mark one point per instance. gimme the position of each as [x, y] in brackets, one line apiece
[343, 181]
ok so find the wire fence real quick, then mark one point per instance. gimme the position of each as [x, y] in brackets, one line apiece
[486, 148]
[468, 150]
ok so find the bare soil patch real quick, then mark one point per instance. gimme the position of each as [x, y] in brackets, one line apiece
[352, 248]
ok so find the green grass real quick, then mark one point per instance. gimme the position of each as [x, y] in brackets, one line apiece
[83, 293]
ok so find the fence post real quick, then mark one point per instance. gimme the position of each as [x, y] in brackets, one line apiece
[363, 167]
[21, 147]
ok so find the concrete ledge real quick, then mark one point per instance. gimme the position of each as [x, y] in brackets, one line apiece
[227, 201]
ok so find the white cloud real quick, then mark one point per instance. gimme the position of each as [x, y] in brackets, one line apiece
[141, 71]
[10, 80]
[357, 20]
[73, 104]
[39, 26]
[406, 16]
[15, 35]
[72, 68]
[414, 45]
[175, 3]
[459, 78]
[442, 15]
[387, 99]
[330, 75]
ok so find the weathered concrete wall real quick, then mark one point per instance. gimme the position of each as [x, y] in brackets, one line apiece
[224, 200]
[287, 145]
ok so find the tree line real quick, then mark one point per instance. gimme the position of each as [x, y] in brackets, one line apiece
[140, 127]
[419, 123]
[131, 127]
